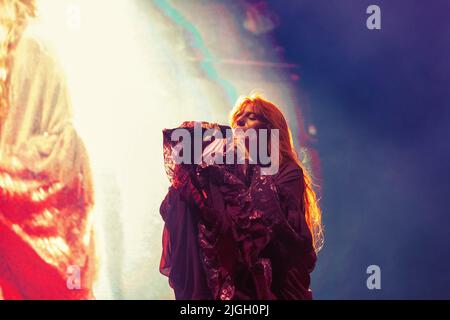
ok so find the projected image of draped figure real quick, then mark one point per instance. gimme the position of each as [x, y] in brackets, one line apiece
[46, 193]
[232, 233]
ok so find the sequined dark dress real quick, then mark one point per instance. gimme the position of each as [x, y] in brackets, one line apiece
[231, 235]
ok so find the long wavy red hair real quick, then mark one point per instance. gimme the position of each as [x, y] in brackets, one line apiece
[276, 120]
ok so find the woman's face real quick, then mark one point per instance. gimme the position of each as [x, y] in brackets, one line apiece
[250, 118]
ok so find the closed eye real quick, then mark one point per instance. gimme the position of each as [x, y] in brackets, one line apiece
[252, 116]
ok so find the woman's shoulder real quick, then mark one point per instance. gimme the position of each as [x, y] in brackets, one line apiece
[36, 54]
[289, 170]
